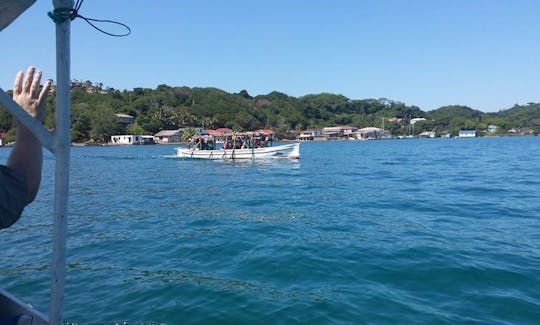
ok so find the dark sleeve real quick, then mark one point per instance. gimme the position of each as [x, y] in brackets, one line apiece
[13, 193]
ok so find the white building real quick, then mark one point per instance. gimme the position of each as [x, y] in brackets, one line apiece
[417, 119]
[372, 133]
[492, 128]
[311, 135]
[128, 139]
[333, 132]
[467, 133]
[427, 134]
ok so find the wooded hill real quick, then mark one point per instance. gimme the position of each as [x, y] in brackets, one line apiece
[166, 107]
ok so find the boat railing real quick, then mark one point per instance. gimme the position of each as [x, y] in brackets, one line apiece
[58, 143]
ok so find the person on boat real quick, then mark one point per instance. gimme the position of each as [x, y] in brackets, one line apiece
[265, 143]
[21, 176]
[199, 143]
[208, 145]
[191, 143]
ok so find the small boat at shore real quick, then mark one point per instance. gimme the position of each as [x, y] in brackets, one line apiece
[290, 151]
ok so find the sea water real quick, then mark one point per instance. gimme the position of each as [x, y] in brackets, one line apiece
[395, 231]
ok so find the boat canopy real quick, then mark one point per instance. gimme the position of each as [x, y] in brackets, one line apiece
[11, 9]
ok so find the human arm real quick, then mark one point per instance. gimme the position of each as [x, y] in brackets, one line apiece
[27, 154]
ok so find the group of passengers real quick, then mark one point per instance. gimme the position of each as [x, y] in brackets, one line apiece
[202, 143]
[245, 143]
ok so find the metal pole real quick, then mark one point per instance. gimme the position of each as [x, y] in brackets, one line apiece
[62, 152]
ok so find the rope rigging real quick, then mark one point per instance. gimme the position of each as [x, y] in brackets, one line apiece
[59, 15]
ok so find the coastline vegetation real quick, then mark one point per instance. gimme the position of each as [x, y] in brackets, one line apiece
[94, 108]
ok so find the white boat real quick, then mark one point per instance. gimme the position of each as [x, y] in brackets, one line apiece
[291, 151]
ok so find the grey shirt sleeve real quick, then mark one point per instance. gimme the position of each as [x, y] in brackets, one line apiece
[13, 193]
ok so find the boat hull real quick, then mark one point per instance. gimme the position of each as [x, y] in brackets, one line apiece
[291, 151]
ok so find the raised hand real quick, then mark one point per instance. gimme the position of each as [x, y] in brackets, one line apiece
[29, 95]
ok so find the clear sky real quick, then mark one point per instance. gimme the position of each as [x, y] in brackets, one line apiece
[481, 53]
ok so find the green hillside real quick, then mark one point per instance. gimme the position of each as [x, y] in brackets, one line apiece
[166, 107]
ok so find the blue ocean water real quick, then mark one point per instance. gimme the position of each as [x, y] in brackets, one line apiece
[398, 231]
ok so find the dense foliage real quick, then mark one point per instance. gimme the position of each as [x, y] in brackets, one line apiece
[93, 113]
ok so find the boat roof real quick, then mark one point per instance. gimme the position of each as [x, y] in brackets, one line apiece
[265, 131]
[220, 132]
[11, 9]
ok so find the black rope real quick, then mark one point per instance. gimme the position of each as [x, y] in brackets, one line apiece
[60, 15]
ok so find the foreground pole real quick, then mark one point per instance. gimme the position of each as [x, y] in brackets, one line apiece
[62, 153]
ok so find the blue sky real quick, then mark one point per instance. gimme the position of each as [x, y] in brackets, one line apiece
[428, 53]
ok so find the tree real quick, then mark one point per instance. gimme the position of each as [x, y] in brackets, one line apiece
[135, 129]
[208, 122]
[169, 107]
[244, 94]
[188, 134]
[6, 120]
[104, 124]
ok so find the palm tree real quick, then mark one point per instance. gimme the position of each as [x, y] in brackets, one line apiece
[188, 134]
[208, 121]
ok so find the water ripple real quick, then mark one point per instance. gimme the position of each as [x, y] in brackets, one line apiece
[420, 231]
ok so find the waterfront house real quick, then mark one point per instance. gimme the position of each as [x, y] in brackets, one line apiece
[169, 136]
[348, 131]
[372, 133]
[127, 139]
[492, 128]
[527, 131]
[521, 131]
[311, 135]
[331, 133]
[335, 132]
[427, 134]
[467, 133]
[369, 133]
[147, 139]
